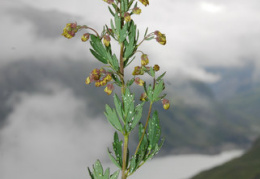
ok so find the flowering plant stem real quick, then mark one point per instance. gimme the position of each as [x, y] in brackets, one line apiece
[125, 116]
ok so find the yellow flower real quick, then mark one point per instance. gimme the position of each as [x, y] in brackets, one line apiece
[138, 71]
[109, 89]
[156, 67]
[166, 104]
[127, 17]
[137, 10]
[85, 37]
[143, 96]
[139, 81]
[144, 2]
[144, 60]
[161, 38]
[106, 40]
[70, 30]
[87, 80]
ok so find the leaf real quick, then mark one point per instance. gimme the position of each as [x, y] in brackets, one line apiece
[157, 90]
[106, 174]
[99, 57]
[111, 11]
[130, 82]
[91, 174]
[115, 175]
[138, 115]
[98, 170]
[117, 22]
[154, 131]
[118, 106]
[160, 77]
[112, 158]
[123, 33]
[117, 147]
[146, 31]
[133, 165]
[128, 99]
[113, 119]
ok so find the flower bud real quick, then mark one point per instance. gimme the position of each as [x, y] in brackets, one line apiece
[137, 10]
[144, 2]
[166, 103]
[144, 60]
[109, 1]
[143, 97]
[138, 71]
[85, 37]
[87, 81]
[106, 40]
[127, 17]
[109, 89]
[161, 38]
[139, 81]
[156, 67]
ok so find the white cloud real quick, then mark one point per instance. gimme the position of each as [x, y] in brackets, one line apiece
[50, 136]
[199, 33]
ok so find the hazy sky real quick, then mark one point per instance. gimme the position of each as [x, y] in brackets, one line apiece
[200, 33]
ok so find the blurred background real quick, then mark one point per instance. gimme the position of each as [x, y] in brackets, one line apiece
[52, 125]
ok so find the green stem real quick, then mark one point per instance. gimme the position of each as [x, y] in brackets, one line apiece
[146, 124]
[124, 174]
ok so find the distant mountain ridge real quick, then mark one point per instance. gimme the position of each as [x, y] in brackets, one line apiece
[196, 122]
[244, 167]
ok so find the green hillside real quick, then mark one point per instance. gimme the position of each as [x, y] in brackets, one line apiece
[245, 167]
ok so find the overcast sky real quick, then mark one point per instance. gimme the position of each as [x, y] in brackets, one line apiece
[200, 33]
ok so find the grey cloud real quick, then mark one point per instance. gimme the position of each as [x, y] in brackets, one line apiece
[50, 136]
[46, 23]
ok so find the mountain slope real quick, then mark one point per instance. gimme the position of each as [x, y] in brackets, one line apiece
[244, 167]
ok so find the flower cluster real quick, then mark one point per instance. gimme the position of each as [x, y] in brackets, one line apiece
[161, 38]
[144, 2]
[101, 77]
[70, 30]
[109, 1]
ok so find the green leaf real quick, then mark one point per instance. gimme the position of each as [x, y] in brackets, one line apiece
[91, 174]
[115, 175]
[98, 170]
[114, 61]
[160, 77]
[146, 31]
[106, 174]
[130, 82]
[158, 89]
[111, 11]
[123, 33]
[117, 147]
[112, 158]
[128, 99]
[154, 131]
[113, 119]
[133, 165]
[117, 22]
[138, 115]
[118, 106]
[116, 79]
[149, 92]
[99, 57]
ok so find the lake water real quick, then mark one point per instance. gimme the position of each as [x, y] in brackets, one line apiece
[182, 166]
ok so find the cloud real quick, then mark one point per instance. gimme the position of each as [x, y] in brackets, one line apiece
[49, 135]
[200, 34]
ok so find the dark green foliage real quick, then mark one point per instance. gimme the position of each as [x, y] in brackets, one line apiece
[244, 167]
